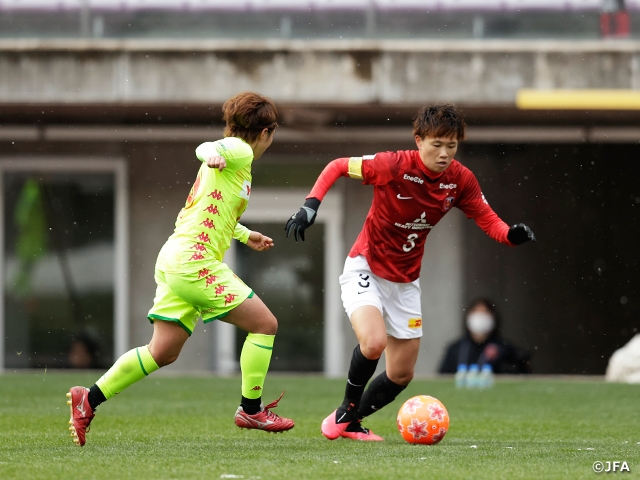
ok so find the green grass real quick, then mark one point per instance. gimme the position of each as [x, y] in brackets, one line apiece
[182, 428]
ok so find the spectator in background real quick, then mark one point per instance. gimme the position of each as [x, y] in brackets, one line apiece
[482, 343]
[84, 352]
[614, 19]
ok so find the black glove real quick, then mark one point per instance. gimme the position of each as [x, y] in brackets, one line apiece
[519, 234]
[302, 220]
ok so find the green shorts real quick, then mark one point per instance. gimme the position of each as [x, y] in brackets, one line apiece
[209, 294]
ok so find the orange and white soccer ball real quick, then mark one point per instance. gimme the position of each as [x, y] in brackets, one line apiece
[423, 419]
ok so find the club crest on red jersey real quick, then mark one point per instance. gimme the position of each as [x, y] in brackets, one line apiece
[448, 203]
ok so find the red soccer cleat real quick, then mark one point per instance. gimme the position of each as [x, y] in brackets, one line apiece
[81, 414]
[264, 419]
[361, 433]
[330, 428]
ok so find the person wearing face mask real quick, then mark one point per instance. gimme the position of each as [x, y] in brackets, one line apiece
[482, 343]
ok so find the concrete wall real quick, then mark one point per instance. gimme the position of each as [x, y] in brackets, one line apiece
[311, 72]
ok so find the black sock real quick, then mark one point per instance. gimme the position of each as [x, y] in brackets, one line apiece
[361, 370]
[355, 427]
[251, 405]
[381, 392]
[95, 397]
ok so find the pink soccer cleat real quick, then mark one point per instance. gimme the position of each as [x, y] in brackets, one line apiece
[330, 427]
[264, 419]
[81, 414]
[362, 434]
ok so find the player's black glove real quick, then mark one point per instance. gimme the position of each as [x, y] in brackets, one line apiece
[519, 234]
[302, 220]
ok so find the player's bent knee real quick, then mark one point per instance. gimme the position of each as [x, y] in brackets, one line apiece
[401, 378]
[373, 348]
[270, 326]
[267, 325]
[163, 359]
[163, 356]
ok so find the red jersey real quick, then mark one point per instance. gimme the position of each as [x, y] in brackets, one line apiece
[408, 201]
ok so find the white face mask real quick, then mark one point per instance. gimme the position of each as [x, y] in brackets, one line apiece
[480, 323]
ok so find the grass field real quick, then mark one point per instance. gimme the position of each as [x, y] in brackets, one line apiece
[182, 427]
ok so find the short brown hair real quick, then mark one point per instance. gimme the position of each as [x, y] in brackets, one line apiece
[439, 121]
[247, 115]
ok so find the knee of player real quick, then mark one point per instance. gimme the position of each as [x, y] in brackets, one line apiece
[402, 378]
[373, 347]
[268, 325]
[163, 359]
[272, 327]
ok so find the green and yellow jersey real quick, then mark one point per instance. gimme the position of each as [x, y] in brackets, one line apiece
[209, 220]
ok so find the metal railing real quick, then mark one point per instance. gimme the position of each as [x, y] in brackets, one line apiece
[313, 19]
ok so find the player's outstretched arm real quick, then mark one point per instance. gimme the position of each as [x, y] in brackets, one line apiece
[493, 226]
[519, 234]
[259, 242]
[230, 153]
[303, 219]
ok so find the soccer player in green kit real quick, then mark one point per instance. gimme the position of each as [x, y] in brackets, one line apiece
[193, 283]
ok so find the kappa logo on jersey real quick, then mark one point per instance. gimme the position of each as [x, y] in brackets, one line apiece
[448, 186]
[216, 195]
[415, 323]
[417, 224]
[413, 179]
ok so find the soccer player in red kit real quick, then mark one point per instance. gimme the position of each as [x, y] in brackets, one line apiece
[413, 190]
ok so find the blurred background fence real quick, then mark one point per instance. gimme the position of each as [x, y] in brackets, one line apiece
[319, 19]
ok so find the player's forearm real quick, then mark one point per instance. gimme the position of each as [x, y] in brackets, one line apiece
[493, 226]
[235, 158]
[305, 217]
[241, 233]
[334, 170]
[206, 150]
